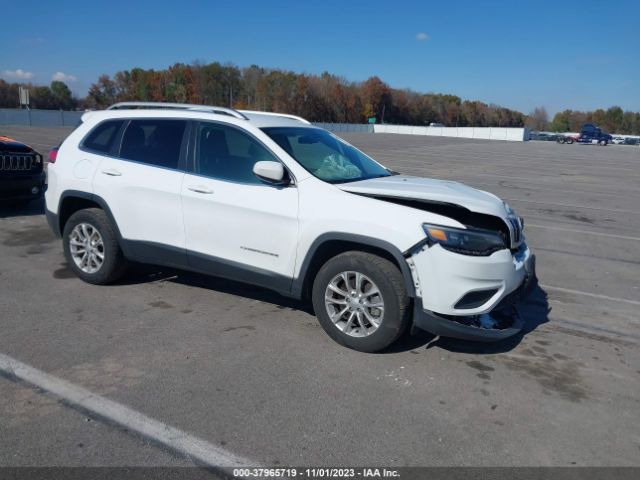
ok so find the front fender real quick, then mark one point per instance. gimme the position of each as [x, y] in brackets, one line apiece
[297, 288]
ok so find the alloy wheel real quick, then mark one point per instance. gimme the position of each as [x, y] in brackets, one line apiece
[87, 247]
[354, 304]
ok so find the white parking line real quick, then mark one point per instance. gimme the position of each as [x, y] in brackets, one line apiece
[592, 295]
[610, 235]
[200, 451]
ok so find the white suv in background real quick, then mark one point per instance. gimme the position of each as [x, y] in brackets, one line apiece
[271, 200]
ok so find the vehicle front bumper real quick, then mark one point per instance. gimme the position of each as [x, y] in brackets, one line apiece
[21, 187]
[445, 278]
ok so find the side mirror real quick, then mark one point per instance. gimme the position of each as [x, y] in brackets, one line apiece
[272, 172]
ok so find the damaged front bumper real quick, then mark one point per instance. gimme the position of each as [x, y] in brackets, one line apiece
[501, 323]
[496, 319]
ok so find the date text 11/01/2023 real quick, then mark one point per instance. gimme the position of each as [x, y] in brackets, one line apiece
[316, 472]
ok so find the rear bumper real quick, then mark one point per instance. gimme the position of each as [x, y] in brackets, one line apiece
[52, 220]
[19, 187]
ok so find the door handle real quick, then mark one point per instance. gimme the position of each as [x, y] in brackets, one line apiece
[200, 189]
[112, 172]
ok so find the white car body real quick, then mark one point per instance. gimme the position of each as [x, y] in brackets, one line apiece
[267, 236]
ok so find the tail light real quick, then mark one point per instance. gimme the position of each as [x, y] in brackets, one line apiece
[53, 155]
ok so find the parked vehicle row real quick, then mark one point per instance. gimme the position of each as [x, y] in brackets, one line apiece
[544, 136]
[589, 134]
[271, 200]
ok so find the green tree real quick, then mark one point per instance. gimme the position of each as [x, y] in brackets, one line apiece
[561, 122]
[42, 97]
[62, 95]
[613, 119]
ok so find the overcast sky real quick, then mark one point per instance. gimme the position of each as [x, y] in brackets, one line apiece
[562, 54]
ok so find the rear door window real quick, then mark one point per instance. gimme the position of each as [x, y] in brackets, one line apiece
[155, 142]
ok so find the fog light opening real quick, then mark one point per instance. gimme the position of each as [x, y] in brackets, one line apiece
[35, 190]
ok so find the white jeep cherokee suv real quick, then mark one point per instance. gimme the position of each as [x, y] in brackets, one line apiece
[271, 200]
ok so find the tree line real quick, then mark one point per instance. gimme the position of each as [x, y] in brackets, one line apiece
[323, 98]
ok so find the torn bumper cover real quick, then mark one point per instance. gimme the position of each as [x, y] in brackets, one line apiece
[501, 321]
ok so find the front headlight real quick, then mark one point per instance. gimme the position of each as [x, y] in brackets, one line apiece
[466, 242]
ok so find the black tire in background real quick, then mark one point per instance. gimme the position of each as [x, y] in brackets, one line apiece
[114, 264]
[389, 280]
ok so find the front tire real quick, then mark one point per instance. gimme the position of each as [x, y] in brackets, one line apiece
[361, 301]
[91, 247]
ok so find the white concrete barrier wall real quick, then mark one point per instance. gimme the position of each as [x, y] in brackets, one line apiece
[484, 133]
[465, 132]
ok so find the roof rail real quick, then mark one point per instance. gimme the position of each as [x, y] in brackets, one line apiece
[177, 106]
[285, 115]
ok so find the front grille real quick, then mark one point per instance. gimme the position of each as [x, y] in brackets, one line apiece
[516, 231]
[20, 162]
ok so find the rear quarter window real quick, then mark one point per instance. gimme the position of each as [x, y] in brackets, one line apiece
[101, 138]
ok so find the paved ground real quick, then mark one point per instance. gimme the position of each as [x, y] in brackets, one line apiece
[252, 372]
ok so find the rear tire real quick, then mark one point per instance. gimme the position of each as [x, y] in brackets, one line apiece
[91, 247]
[377, 320]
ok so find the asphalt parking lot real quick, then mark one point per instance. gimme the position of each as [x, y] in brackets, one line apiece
[252, 372]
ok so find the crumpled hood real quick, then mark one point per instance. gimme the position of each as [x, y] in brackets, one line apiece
[443, 191]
